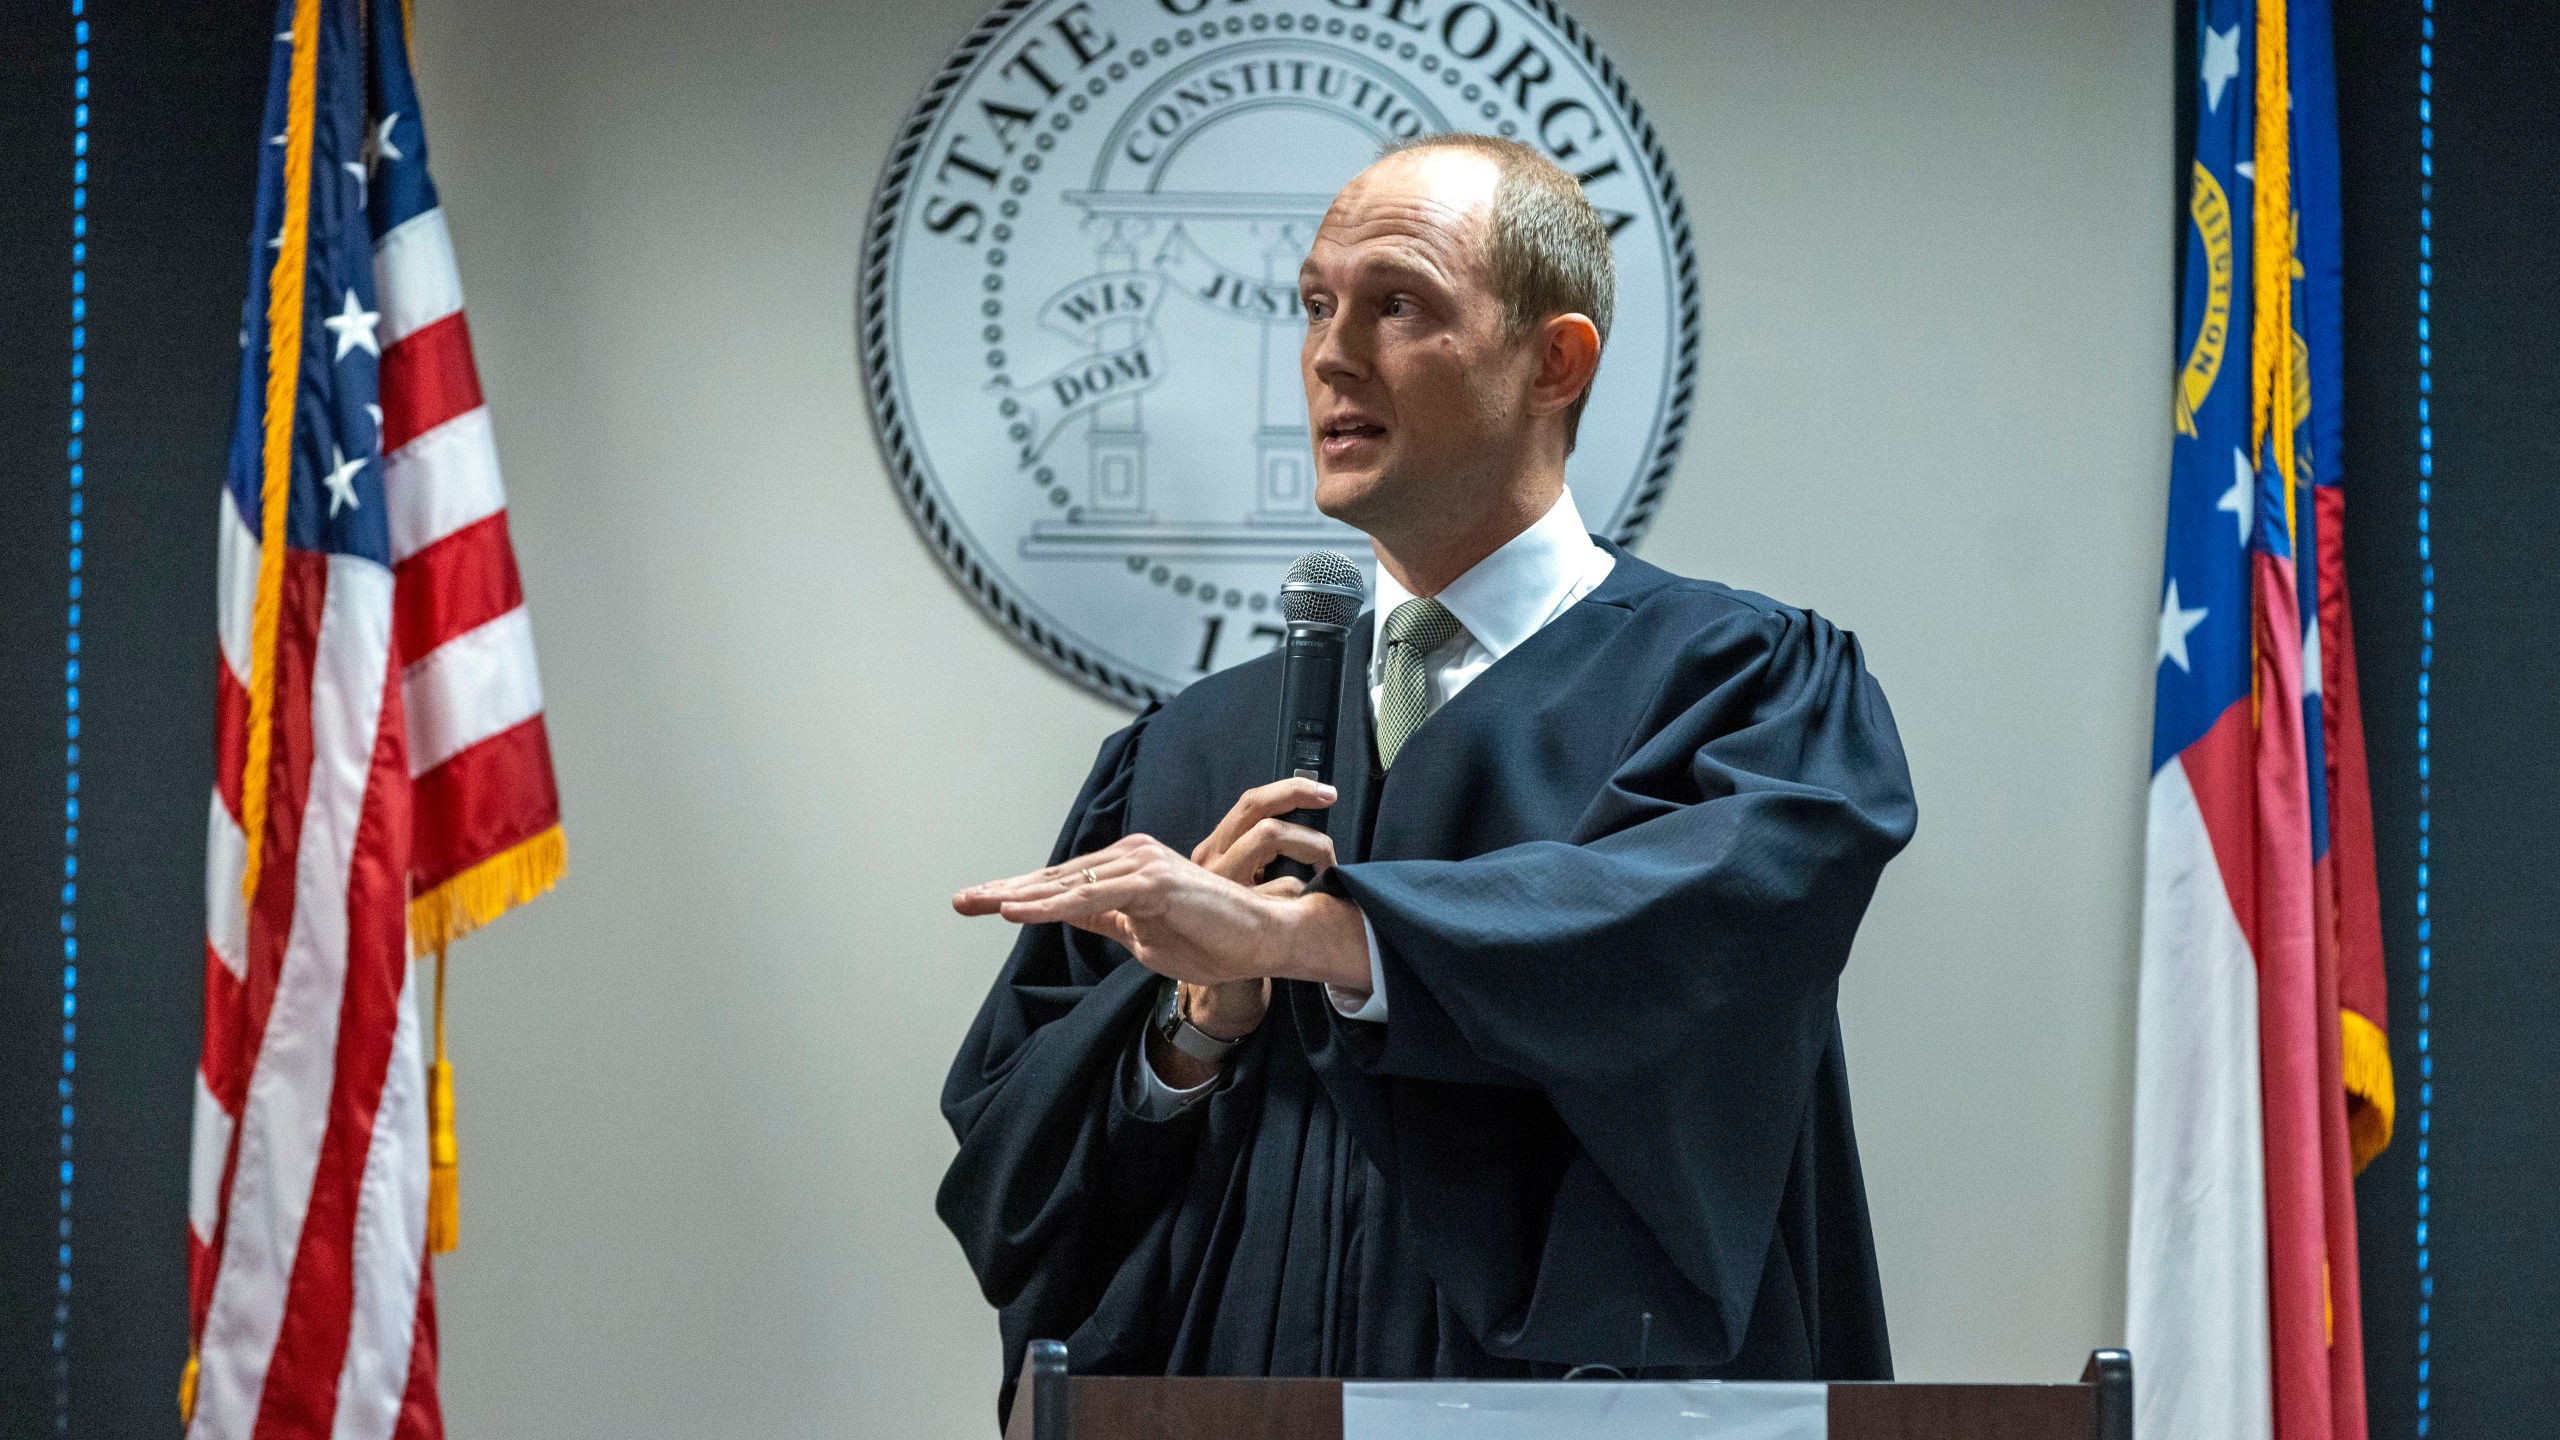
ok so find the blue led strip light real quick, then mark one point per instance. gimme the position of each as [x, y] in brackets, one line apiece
[71, 708]
[2426, 662]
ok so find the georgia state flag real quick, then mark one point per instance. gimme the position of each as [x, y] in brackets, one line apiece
[2262, 1081]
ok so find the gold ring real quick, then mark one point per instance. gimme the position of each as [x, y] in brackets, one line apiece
[1087, 873]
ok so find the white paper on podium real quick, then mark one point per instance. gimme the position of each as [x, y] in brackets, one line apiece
[1583, 1410]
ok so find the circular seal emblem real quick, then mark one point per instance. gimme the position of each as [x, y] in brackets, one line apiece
[1079, 308]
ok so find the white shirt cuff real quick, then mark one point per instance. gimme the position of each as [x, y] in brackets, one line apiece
[1152, 1099]
[1371, 1007]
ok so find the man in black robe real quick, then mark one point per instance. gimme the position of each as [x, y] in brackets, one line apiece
[1544, 1067]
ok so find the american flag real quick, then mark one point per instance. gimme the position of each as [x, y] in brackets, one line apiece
[383, 779]
[2262, 1079]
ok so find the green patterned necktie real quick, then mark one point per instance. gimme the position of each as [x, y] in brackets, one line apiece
[1414, 629]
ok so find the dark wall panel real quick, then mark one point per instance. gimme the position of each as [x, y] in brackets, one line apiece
[171, 134]
[2460, 420]
[35, 419]
[171, 151]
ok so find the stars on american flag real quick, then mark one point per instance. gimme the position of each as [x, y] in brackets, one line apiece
[353, 326]
[378, 146]
[341, 481]
[2175, 625]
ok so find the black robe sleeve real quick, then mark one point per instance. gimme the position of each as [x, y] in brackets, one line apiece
[1062, 1197]
[1666, 980]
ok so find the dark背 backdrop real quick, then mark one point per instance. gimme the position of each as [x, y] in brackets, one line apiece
[2450, 119]
[2453, 221]
[96, 1063]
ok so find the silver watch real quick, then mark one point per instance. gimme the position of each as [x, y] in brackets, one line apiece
[1178, 1031]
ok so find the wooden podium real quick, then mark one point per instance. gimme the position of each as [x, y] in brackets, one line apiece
[1051, 1404]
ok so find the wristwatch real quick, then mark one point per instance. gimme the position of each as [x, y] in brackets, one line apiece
[1176, 1029]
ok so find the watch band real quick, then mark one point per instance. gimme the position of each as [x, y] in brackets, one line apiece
[1190, 1039]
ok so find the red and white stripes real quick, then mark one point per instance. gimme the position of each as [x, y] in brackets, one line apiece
[302, 1037]
[471, 688]
[409, 755]
[465, 642]
[2197, 1305]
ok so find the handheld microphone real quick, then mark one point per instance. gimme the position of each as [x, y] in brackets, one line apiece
[1320, 598]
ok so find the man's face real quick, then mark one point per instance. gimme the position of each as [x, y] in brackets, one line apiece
[1415, 392]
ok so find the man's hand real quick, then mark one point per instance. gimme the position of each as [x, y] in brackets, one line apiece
[1245, 843]
[1253, 834]
[1202, 919]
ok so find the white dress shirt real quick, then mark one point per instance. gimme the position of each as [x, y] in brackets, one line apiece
[1504, 599]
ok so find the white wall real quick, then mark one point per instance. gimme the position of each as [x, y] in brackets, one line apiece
[697, 1085]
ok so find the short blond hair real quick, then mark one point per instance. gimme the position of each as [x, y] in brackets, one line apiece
[1547, 247]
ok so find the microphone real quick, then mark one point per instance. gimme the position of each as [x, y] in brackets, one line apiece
[1320, 598]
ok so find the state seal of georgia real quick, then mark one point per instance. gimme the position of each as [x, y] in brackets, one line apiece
[1079, 321]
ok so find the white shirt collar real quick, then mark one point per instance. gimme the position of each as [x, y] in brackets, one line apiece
[1508, 595]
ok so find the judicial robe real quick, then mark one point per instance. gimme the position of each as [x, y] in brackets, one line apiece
[1613, 883]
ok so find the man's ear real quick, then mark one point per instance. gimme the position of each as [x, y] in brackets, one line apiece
[1568, 356]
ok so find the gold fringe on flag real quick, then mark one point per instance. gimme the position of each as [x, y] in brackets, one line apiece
[2371, 1101]
[486, 891]
[2272, 358]
[444, 1186]
[284, 371]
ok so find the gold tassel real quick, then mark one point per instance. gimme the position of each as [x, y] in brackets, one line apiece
[444, 1194]
[187, 1388]
[2370, 1101]
[462, 904]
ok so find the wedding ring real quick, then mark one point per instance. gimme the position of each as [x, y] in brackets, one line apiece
[1087, 873]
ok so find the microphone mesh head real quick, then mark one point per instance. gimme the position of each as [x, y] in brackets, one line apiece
[1323, 588]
